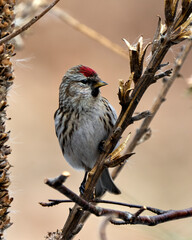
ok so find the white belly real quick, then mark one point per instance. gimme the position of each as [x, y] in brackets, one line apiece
[82, 152]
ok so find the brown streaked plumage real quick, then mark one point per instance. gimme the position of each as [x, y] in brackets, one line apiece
[84, 119]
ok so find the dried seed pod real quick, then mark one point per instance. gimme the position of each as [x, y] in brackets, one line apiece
[136, 54]
[6, 77]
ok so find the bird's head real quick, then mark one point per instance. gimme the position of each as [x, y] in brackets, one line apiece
[82, 80]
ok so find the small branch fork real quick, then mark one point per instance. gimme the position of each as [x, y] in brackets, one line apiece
[115, 216]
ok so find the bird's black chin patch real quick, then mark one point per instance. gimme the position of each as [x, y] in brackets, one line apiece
[95, 92]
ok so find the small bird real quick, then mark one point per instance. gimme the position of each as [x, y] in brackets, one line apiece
[83, 121]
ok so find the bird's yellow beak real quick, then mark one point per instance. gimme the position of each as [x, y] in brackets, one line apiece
[99, 84]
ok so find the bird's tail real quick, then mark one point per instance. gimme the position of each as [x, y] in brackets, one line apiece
[105, 183]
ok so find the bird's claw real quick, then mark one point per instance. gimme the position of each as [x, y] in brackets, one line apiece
[82, 188]
[101, 146]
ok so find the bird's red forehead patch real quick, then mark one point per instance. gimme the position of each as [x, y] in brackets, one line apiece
[88, 72]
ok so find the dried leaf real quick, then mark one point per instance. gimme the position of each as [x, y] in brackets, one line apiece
[156, 36]
[127, 43]
[135, 66]
[127, 90]
[136, 55]
[140, 44]
[182, 32]
[185, 5]
[121, 88]
[187, 22]
[141, 60]
[169, 12]
[2, 211]
[3, 193]
[117, 161]
[2, 176]
[3, 104]
[174, 7]
[183, 14]
[183, 36]
[128, 85]
[118, 150]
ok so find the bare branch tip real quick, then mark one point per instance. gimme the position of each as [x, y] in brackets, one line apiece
[66, 174]
[46, 180]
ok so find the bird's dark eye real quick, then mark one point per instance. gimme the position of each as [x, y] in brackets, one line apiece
[85, 81]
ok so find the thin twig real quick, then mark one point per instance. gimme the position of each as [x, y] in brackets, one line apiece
[29, 24]
[67, 18]
[127, 217]
[151, 209]
[140, 116]
[102, 230]
[53, 202]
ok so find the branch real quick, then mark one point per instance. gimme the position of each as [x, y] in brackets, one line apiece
[124, 216]
[102, 230]
[53, 202]
[164, 74]
[140, 116]
[29, 24]
[68, 19]
[157, 104]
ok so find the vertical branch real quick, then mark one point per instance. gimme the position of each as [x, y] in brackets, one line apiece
[157, 104]
[6, 80]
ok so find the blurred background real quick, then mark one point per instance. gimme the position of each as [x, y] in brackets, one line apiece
[158, 175]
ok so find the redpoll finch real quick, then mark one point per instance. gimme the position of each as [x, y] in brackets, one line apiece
[83, 120]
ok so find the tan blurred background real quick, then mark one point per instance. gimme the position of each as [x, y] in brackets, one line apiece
[158, 175]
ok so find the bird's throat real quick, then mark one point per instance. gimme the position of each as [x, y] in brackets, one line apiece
[95, 92]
